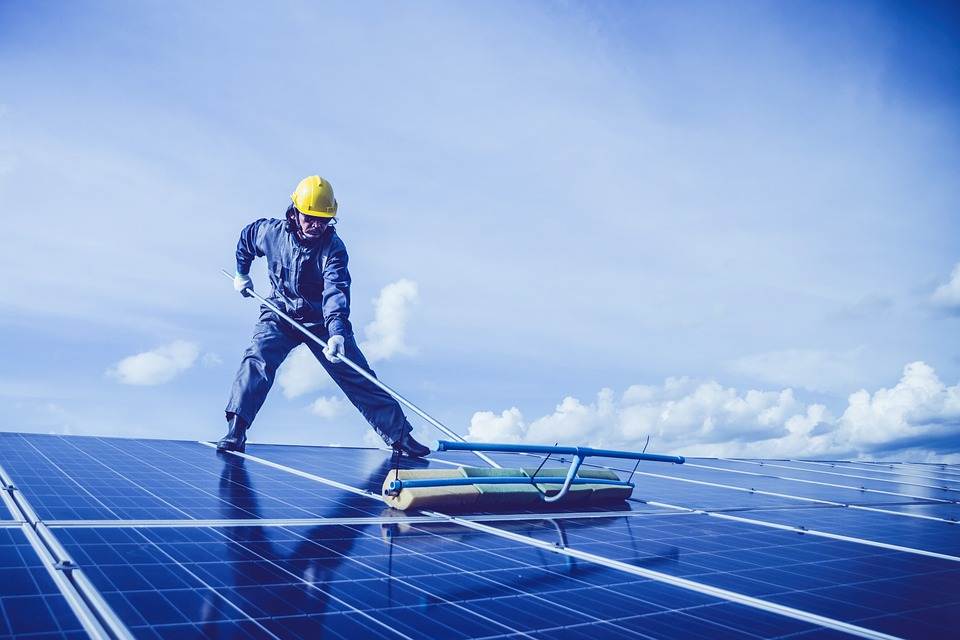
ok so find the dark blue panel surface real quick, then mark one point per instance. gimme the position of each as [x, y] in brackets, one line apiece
[109, 478]
[340, 464]
[876, 472]
[940, 470]
[939, 537]
[896, 472]
[51, 492]
[31, 606]
[947, 511]
[854, 583]
[915, 488]
[692, 471]
[383, 581]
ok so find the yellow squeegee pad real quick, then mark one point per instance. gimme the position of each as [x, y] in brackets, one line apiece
[499, 497]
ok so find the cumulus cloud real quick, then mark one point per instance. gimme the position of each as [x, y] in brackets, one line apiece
[386, 334]
[919, 407]
[157, 366]
[919, 415]
[301, 373]
[327, 407]
[948, 295]
[486, 426]
[811, 369]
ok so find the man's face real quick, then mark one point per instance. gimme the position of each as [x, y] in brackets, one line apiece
[312, 226]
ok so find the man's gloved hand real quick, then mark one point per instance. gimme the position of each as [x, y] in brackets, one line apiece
[334, 349]
[242, 281]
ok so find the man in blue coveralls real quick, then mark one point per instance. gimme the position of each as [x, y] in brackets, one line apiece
[307, 262]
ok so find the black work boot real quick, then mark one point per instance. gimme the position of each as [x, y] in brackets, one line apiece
[236, 438]
[410, 447]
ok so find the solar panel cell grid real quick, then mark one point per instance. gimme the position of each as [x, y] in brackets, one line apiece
[305, 581]
[895, 484]
[939, 537]
[31, 606]
[831, 489]
[836, 579]
[406, 579]
[100, 478]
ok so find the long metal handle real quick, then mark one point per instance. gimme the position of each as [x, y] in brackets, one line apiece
[462, 445]
[353, 365]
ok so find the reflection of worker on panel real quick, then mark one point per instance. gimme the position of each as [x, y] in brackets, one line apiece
[307, 263]
[298, 563]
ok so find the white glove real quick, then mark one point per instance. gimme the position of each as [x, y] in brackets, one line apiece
[334, 348]
[241, 282]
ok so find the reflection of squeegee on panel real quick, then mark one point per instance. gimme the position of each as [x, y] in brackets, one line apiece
[496, 489]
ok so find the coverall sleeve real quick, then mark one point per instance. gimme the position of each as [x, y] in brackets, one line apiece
[336, 291]
[250, 245]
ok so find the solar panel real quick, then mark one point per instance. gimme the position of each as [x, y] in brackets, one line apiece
[169, 539]
[838, 579]
[31, 605]
[112, 478]
[345, 580]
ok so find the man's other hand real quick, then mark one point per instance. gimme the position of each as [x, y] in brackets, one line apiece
[334, 349]
[242, 281]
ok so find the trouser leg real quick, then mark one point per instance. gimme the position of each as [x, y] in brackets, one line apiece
[376, 405]
[269, 346]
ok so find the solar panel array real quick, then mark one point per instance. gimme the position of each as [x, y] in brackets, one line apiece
[119, 538]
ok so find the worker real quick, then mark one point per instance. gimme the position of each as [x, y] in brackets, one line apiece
[307, 264]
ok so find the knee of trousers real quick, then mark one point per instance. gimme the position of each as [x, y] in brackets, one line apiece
[256, 358]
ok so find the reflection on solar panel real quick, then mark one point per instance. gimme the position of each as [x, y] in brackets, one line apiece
[117, 538]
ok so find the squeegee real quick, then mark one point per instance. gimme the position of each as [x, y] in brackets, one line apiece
[475, 488]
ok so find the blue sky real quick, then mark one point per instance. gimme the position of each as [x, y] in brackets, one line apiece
[719, 223]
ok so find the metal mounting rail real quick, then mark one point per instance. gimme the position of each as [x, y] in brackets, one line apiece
[363, 372]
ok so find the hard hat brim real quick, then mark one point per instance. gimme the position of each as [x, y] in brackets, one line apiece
[315, 214]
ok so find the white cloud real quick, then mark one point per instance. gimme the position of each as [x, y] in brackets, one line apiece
[156, 366]
[918, 417]
[919, 406]
[210, 360]
[486, 426]
[385, 335]
[948, 295]
[301, 373]
[812, 369]
[328, 407]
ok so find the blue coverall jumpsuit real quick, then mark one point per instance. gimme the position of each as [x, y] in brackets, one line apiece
[311, 284]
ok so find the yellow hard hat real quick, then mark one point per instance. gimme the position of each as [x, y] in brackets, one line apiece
[314, 197]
